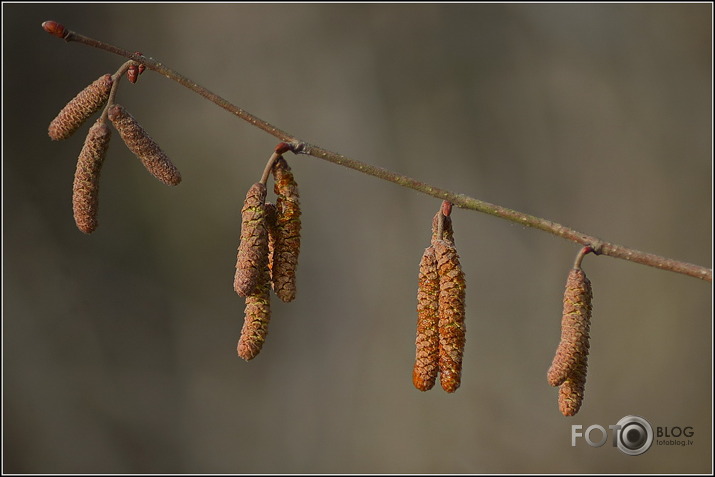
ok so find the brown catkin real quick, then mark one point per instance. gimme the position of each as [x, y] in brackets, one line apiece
[257, 317]
[424, 373]
[451, 314]
[85, 191]
[80, 108]
[252, 254]
[571, 391]
[143, 146]
[575, 326]
[287, 244]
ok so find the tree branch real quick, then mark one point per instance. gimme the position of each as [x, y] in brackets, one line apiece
[600, 247]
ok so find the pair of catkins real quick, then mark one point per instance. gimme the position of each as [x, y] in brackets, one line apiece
[267, 254]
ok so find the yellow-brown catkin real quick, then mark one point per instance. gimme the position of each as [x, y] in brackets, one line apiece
[252, 254]
[257, 317]
[80, 108]
[287, 244]
[143, 146]
[85, 191]
[451, 314]
[424, 373]
[575, 326]
[571, 390]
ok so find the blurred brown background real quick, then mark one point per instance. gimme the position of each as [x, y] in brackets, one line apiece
[119, 348]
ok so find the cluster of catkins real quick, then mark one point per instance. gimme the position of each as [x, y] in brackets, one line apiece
[268, 252]
[441, 328]
[85, 196]
[270, 243]
[440, 310]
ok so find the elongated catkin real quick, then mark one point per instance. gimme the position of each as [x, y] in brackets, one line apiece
[143, 146]
[257, 318]
[252, 255]
[452, 329]
[575, 326]
[284, 260]
[85, 190]
[80, 108]
[424, 372]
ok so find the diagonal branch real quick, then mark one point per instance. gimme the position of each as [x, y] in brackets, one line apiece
[300, 147]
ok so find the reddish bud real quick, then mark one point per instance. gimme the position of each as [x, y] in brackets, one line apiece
[55, 29]
[132, 73]
[141, 67]
[446, 208]
[282, 148]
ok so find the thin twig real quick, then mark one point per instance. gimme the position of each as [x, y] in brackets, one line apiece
[599, 247]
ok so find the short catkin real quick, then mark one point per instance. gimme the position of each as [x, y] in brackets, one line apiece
[424, 373]
[143, 146]
[252, 254]
[452, 329]
[80, 108]
[575, 326]
[85, 191]
[284, 258]
[257, 317]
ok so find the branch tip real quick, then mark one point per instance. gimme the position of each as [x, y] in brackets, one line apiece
[55, 29]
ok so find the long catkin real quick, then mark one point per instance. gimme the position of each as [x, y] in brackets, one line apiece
[284, 257]
[424, 372]
[143, 146]
[85, 190]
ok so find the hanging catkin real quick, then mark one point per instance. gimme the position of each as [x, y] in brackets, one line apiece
[143, 146]
[451, 315]
[85, 191]
[424, 373]
[252, 254]
[257, 317]
[80, 108]
[284, 259]
[575, 326]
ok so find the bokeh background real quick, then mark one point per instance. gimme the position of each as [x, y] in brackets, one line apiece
[119, 348]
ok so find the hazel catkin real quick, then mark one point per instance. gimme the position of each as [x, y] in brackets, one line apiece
[424, 373]
[284, 257]
[571, 391]
[575, 326]
[252, 255]
[85, 190]
[80, 108]
[452, 329]
[143, 146]
[257, 317]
